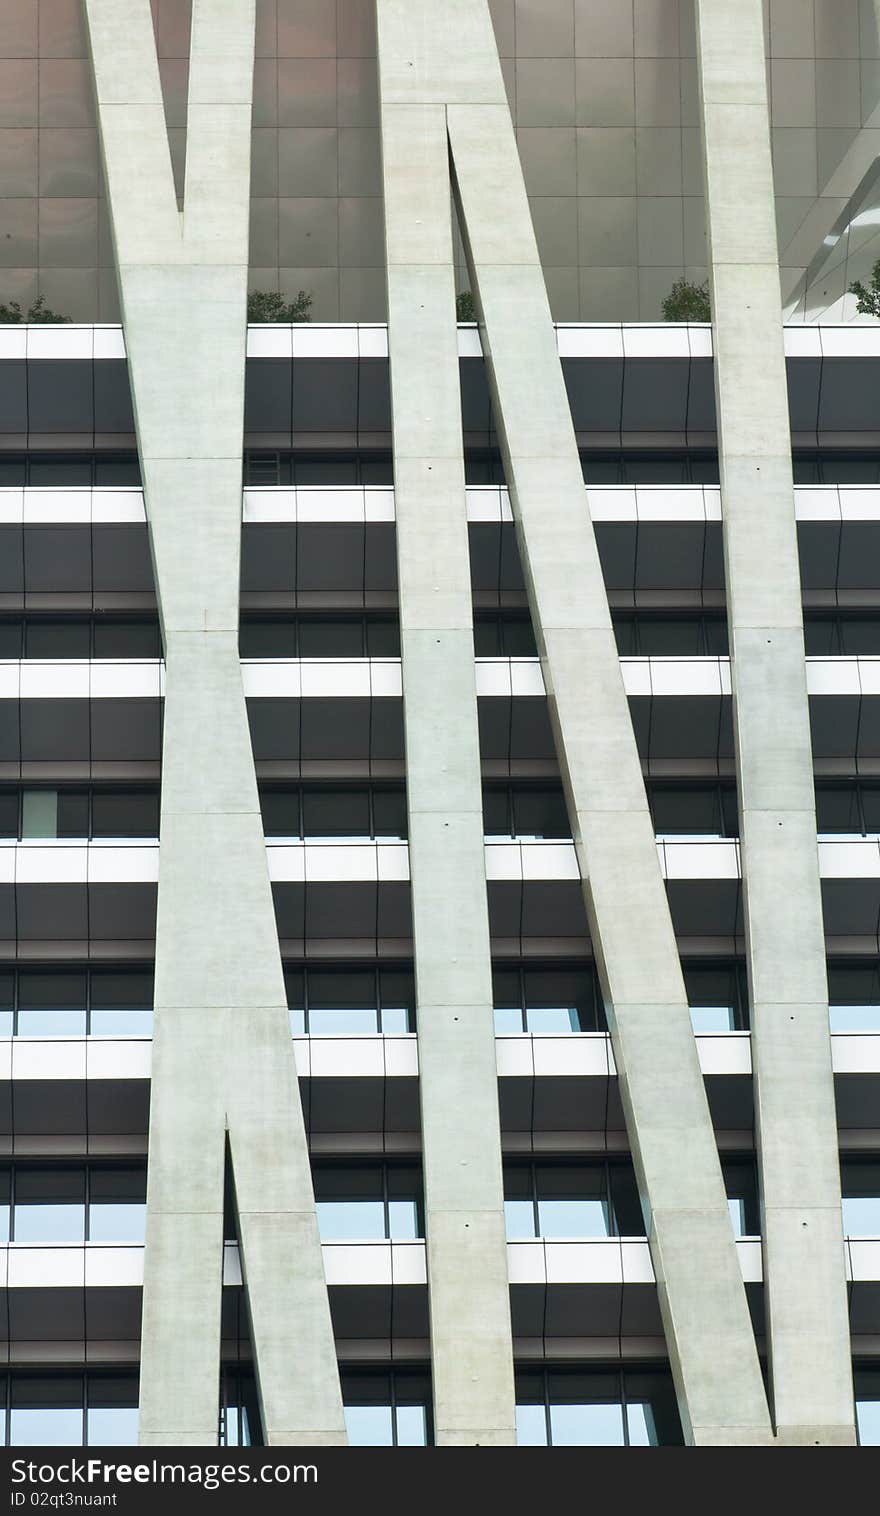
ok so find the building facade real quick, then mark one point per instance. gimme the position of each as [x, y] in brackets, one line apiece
[440, 788]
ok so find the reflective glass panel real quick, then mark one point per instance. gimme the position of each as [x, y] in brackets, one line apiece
[350, 1219]
[46, 1426]
[531, 1426]
[112, 1426]
[411, 1426]
[594, 1425]
[369, 1426]
[861, 1215]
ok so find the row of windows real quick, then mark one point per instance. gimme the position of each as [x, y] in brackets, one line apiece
[705, 809]
[369, 1200]
[51, 1002]
[496, 635]
[121, 469]
[560, 1407]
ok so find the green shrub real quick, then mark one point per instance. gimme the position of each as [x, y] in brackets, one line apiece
[687, 302]
[465, 307]
[868, 299]
[270, 305]
[11, 314]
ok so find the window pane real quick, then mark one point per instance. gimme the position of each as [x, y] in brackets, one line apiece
[331, 639]
[127, 639]
[548, 1020]
[411, 1426]
[5, 1217]
[403, 1220]
[712, 1018]
[518, 638]
[682, 811]
[389, 813]
[625, 1203]
[133, 813]
[349, 1219]
[531, 1426]
[39, 813]
[640, 1426]
[496, 813]
[121, 1023]
[861, 1215]
[595, 1425]
[368, 1426]
[837, 809]
[573, 1218]
[57, 639]
[49, 1223]
[73, 813]
[855, 1018]
[112, 1426]
[336, 813]
[540, 813]
[871, 807]
[51, 1004]
[337, 1023]
[487, 639]
[519, 1219]
[117, 1223]
[508, 1020]
[9, 813]
[281, 813]
[868, 1421]
[383, 638]
[267, 639]
[46, 1426]
[395, 1022]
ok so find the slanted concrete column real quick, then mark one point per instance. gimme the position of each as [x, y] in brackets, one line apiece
[467, 1253]
[222, 1057]
[804, 1273]
[448, 58]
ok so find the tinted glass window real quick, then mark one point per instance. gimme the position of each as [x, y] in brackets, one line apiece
[127, 639]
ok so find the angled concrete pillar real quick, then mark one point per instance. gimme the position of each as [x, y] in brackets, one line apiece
[222, 1059]
[447, 59]
[804, 1274]
[471, 1343]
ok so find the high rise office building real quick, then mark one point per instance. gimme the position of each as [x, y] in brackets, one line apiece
[439, 758]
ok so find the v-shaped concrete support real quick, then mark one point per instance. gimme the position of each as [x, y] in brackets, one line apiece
[222, 1057]
[439, 61]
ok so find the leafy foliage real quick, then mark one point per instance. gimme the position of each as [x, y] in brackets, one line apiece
[465, 307]
[687, 302]
[868, 298]
[270, 305]
[12, 315]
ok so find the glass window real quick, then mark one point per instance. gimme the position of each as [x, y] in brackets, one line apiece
[281, 813]
[45, 1426]
[868, 1423]
[39, 813]
[73, 813]
[9, 813]
[129, 813]
[336, 813]
[117, 1203]
[598, 1424]
[121, 1003]
[49, 1205]
[57, 639]
[267, 639]
[837, 809]
[369, 1426]
[518, 637]
[531, 1426]
[383, 637]
[51, 1003]
[332, 639]
[741, 1187]
[682, 810]
[854, 996]
[389, 813]
[860, 635]
[487, 637]
[497, 820]
[127, 639]
[717, 995]
[562, 1000]
[113, 1426]
[540, 813]
[347, 1219]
